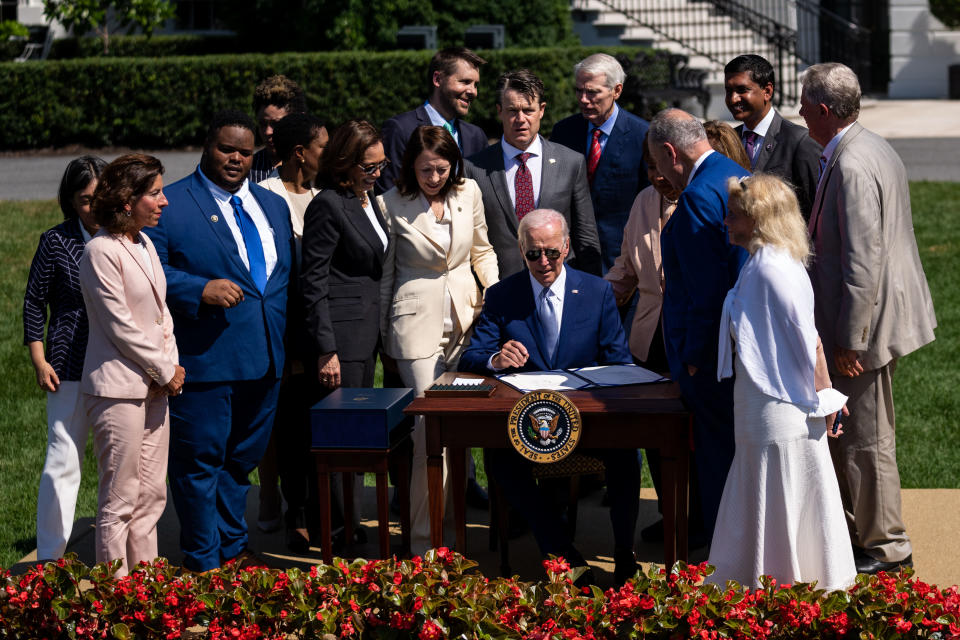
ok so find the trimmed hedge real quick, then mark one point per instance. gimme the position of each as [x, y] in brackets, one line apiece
[141, 46]
[166, 102]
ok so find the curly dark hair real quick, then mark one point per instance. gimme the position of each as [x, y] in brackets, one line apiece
[280, 91]
[123, 182]
[439, 141]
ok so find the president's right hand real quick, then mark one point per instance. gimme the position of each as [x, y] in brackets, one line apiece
[512, 354]
[222, 293]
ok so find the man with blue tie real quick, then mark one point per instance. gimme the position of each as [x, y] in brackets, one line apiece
[552, 316]
[454, 77]
[611, 140]
[227, 248]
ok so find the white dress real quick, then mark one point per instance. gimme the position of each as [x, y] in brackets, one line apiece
[780, 514]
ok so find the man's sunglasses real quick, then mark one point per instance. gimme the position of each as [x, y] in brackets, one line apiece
[534, 254]
[370, 169]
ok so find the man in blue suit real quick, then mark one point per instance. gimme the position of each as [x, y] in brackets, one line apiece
[611, 139]
[554, 317]
[227, 248]
[699, 267]
[454, 77]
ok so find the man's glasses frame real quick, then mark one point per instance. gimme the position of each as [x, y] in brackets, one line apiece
[532, 255]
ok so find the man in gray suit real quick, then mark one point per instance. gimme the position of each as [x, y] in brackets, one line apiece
[872, 304]
[774, 145]
[524, 172]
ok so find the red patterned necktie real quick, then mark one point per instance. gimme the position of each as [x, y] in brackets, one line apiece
[523, 187]
[594, 158]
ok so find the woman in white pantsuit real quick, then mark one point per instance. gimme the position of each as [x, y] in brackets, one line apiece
[54, 282]
[428, 295]
[131, 360]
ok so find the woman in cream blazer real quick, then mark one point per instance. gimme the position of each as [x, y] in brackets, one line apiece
[429, 297]
[131, 361]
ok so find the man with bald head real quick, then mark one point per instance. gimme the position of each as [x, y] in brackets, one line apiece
[551, 316]
[699, 267]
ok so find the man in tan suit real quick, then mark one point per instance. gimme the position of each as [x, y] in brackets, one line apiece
[872, 304]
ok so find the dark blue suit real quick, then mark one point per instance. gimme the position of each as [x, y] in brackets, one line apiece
[396, 134]
[590, 334]
[699, 266]
[233, 359]
[620, 175]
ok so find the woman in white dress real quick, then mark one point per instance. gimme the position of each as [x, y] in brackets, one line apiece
[781, 513]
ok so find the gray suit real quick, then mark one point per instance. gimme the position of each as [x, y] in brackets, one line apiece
[563, 187]
[788, 152]
[872, 297]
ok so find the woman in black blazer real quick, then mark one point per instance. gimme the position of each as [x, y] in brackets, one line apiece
[344, 245]
[54, 282]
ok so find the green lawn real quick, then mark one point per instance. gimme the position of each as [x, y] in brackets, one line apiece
[925, 387]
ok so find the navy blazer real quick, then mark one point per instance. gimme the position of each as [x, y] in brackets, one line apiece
[54, 281]
[195, 245]
[620, 175]
[398, 129]
[790, 153]
[590, 329]
[699, 266]
[342, 267]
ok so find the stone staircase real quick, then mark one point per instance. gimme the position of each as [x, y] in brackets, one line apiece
[690, 27]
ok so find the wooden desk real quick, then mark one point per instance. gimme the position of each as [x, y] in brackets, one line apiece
[639, 416]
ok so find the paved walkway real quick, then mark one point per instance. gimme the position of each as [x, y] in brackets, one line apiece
[932, 517]
[924, 132]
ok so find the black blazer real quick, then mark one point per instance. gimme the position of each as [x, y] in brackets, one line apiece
[54, 281]
[341, 270]
[396, 134]
[563, 187]
[790, 153]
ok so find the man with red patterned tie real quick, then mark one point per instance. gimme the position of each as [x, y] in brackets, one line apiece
[523, 172]
[611, 139]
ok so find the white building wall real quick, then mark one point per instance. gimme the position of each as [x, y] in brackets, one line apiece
[921, 50]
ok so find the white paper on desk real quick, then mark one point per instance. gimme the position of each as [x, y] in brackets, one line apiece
[467, 381]
[616, 375]
[558, 380]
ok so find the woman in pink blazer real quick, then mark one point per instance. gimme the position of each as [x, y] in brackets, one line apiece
[131, 361]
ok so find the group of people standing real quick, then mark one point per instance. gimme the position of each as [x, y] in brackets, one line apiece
[239, 305]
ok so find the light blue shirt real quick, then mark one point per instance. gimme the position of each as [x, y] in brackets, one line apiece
[252, 207]
[606, 127]
[437, 120]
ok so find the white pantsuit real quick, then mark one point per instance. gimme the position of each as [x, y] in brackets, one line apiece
[428, 302]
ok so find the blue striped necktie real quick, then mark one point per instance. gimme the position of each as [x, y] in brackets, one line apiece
[251, 239]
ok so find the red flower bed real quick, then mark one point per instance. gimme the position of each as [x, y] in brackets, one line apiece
[442, 597]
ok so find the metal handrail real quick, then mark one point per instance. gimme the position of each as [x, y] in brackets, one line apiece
[791, 34]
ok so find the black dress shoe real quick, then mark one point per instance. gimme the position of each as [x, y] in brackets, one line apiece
[870, 565]
[476, 496]
[625, 566]
[652, 533]
[298, 540]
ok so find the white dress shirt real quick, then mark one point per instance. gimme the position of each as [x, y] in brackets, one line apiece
[252, 207]
[696, 165]
[762, 127]
[534, 164]
[372, 217]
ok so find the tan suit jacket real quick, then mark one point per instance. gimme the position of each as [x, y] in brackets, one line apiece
[416, 270]
[131, 343]
[870, 290]
[639, 267]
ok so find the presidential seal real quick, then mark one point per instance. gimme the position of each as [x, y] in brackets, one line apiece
[544, 426]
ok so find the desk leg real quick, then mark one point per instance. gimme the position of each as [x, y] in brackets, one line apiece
[435, 479]
[683, 497]
[323, 485]
[669, 481]
[383, 513]
[458, 484]
[347, 477]
[403, 488]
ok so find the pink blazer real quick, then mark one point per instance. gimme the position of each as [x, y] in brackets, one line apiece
[131, 343]
[638, 267]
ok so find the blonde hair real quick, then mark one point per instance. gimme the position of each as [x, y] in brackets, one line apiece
[724, 139]
[772, 204]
